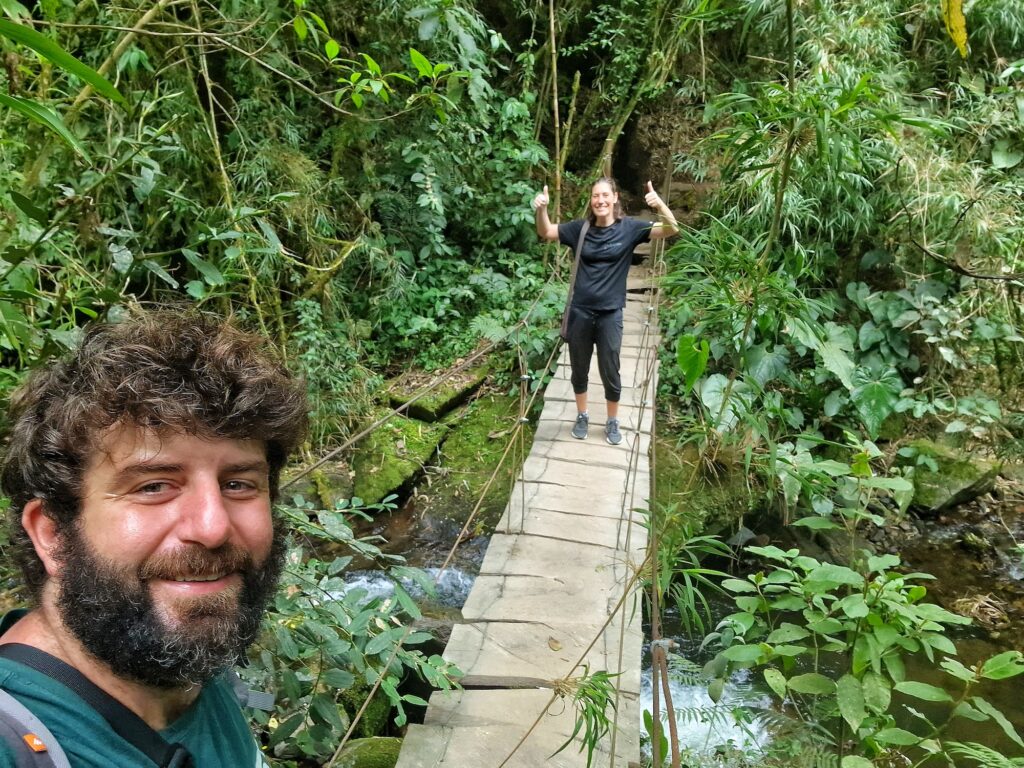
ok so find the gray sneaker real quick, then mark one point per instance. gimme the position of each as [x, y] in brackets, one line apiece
[579, 431]
[611, 432]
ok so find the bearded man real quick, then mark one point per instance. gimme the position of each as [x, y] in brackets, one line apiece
[142, 471]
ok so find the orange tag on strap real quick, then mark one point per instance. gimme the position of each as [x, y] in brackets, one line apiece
[34, 742]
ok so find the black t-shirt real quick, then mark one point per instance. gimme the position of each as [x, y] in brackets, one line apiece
[604, 261]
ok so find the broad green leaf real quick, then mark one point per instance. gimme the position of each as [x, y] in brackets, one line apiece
[856, 761]
[211, 275]
[45, 117]
[287, 728]
[1008, 664]
[811, 683]
[324, 709]
[877, 692]
[738, 585]
[838, 363]
[384, 641]
[787, 633]
[421, 63]
[49, 50]
[332, 49]
[875, 397]
[897, 736]
[692, 358]
[854, 606]
[1005, 154]
[743, 653]
[850, 696]
[30, 209]
[832, 468]
[15, 10]
[340, 679]
[286, 646]
[160, 272]
[879, 563]
[121, 257]
[301, 29]
[967, 710]
[715, 689]
[764, 366]
[869, 336]
[923, 691]
[830, 574]
[1000, 719]
[776, 681]
[894, 665]
[956, 669]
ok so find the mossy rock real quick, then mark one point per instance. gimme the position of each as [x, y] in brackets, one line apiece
[959, 478]
[713, 505]
[474, 446]
[434, 405]
[374, 720]
[377, 752]
[325, 487]
[393, 455]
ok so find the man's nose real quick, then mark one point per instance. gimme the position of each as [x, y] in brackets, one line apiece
[205, 517]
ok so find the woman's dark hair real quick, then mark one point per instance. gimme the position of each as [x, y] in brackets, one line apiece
[617, 211]
[165, 370]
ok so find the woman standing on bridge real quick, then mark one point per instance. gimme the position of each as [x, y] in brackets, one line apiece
[595, 315]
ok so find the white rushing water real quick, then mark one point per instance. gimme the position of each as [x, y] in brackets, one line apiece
[703, 725]
[451, 590]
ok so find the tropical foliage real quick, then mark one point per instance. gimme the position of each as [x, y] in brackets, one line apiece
[353, 179]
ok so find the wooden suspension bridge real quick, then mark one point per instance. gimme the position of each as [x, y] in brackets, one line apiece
[557, 595]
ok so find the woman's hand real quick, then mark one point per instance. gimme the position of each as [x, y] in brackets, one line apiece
[652, 198]
[541, 200]
[666, 226]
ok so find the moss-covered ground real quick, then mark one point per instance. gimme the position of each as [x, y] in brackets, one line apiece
[478, 437]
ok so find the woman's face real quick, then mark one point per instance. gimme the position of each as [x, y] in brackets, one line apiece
[603, 200]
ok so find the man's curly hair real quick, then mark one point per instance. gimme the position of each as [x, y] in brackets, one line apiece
[165, 370]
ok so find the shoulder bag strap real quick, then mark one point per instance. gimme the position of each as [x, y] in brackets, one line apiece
[576, 261]
[122, 720]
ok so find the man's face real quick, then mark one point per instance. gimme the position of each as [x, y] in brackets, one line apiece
[167, 572]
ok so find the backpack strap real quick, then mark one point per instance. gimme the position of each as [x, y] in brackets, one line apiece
[27, 737]
[125, 723]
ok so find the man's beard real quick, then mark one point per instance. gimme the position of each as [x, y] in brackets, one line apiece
[110, 610]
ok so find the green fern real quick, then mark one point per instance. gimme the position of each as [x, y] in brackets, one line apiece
[985, 757]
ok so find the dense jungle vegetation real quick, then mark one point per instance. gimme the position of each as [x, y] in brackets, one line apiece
[353, 178]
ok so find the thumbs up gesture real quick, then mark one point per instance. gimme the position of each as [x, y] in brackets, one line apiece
[652, 198]
[541, 200]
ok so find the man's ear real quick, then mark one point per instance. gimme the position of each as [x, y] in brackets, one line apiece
[42, 529]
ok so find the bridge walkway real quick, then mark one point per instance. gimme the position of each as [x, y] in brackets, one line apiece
[556, 593]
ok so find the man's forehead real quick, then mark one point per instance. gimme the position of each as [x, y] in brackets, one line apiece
[128, 444]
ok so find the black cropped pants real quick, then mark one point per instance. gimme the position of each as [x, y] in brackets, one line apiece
[603, 328]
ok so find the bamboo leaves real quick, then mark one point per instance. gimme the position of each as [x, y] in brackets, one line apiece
[51, 51]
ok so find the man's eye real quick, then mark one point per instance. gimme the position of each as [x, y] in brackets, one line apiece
[153, 488]
[240, 486]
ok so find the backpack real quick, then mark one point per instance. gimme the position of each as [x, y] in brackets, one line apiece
[31, 742]
[35, 747]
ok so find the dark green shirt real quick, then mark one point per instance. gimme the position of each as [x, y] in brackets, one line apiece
[212, 728]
